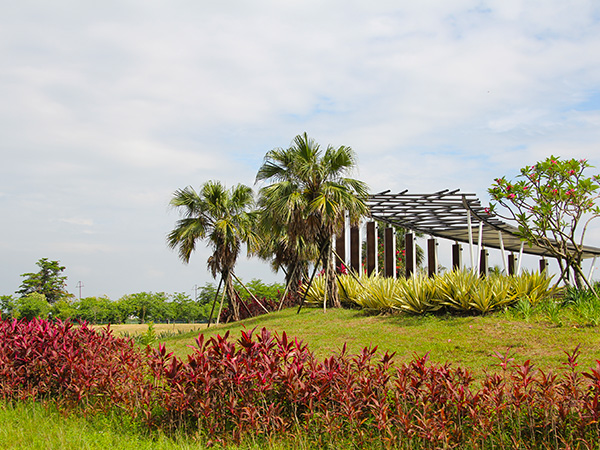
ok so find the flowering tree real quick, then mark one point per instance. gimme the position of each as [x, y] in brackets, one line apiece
[549, 201]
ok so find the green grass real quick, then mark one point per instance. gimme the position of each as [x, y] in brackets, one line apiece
[32, 426]
[469, 341]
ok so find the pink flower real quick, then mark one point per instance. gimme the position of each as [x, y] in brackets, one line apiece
[511, 196]
[571, 172]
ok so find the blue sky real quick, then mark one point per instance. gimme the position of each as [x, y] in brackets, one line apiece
[108, 108]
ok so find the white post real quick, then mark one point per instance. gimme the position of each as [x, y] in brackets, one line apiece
[592, 268]
[503, 252]
[520, 258]
[470, 240]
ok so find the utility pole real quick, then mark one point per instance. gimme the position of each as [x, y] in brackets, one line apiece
[79, 285]
[195, 292]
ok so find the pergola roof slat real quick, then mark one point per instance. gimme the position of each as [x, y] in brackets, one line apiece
[445, 214]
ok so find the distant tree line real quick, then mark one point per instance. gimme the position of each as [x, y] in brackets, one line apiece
[43, 294]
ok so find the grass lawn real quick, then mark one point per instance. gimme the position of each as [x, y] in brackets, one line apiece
[467, 341]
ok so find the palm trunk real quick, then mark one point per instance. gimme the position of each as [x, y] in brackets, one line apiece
[294, 278]
[234, 304]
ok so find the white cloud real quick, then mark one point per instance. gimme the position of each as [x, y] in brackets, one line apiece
[78, 221]
[108, 108]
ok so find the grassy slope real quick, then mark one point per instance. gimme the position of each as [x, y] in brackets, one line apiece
[467, 341]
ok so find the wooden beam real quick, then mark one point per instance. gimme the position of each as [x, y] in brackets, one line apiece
[432, 257]
[483, 262]
[456, 256]
[389, 252]
[410, 254]
[355, 249]
[371, 248]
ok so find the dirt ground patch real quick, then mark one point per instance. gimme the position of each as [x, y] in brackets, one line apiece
[132, 329]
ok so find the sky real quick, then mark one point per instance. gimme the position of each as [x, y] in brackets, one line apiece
[109, 107]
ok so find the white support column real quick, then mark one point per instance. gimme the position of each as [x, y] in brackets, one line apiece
[592, 268]
[503, 252]
[520, 258]
[470, 241]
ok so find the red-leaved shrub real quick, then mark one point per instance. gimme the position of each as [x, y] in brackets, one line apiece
[274, 387]
[71, 365]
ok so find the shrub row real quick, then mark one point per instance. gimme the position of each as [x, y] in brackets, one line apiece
[459, 291]
[273, 386]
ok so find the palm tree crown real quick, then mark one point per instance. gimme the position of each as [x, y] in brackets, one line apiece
[310, 192]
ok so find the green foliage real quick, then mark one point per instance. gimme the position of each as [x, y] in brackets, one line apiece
[587, 307]
[316, 291]
[260, 290]
[378, 293]
[31, 306]
[149, 337]
[491, 294]
[7, 304]
[548, 201]
[48, 281]
[456, 289]
[351, 288]
[186, 310]
[418, 294]
[532, 286]
[95, 310]
[157, 307]
[64, 309]
[459, 291]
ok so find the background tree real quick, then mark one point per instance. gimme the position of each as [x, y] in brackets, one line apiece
[31, 305]
[64, 309]
[189, 311]
[224, 218]
[549, 201]
[7, 305]
[309, 194]
[48, 281]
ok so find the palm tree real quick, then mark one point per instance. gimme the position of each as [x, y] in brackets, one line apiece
[309, 195]
[223, 218]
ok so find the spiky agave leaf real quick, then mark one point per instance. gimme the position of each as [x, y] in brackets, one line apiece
[456, 288]
[418, 295]
[380, 293]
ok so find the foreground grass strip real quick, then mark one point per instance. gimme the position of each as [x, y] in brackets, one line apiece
[32, 426]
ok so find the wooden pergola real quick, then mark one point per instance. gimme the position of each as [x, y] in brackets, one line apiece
[447, 214]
